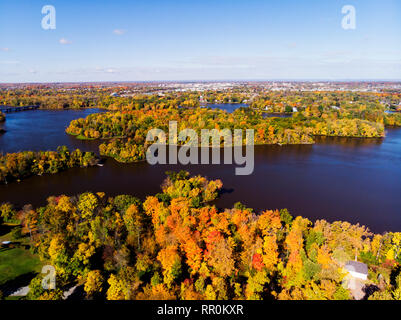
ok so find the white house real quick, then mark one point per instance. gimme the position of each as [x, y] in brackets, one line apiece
[357, 269]
[294, 109]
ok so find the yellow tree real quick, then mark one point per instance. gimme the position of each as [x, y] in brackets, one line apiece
[94, 282]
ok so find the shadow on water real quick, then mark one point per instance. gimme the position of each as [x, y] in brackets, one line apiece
[78, 294]
[226, 191]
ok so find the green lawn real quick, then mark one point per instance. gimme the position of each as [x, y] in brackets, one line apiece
[17, 261]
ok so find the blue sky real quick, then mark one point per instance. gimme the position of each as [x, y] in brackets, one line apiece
[141, 40]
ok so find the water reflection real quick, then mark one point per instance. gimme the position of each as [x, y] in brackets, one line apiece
[349, 142]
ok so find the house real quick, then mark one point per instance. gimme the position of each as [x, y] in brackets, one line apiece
[357, 269]
[294, 109]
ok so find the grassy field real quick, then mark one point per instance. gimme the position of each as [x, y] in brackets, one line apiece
[16, 261]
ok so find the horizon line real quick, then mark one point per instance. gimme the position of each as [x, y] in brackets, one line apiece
[207, 81]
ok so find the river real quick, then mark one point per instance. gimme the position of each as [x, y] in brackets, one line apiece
[355, 180]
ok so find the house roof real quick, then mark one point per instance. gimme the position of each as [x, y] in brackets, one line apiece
[357, 267]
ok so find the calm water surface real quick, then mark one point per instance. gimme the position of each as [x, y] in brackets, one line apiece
[356, 180]
[42, 130]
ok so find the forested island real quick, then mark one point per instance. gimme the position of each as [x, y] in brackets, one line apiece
[127, 129]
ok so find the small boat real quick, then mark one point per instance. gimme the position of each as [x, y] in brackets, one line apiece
[100, 164]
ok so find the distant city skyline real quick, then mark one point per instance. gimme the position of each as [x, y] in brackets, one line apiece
[225, 40]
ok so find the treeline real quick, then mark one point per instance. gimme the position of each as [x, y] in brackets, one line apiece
[50, 100]
[21, 165]
[128, 129]
[107, 98]
[175, 245]
[2, 117]
[331, 105]
[345, 104]
[348, 128]
[123, 150]
[117, 98]
[356, 101]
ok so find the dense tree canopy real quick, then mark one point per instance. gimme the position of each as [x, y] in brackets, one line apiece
[127, 130]
[20, 165]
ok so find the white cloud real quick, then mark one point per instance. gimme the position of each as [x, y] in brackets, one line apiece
[5, 49]
[64, 41]
[119, 31]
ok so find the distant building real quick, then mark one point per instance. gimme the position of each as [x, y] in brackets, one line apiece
[114, 94]
[294, 109]
[357, 269]
[335, 107]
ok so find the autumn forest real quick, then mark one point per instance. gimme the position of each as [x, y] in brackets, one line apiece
[177, 244]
